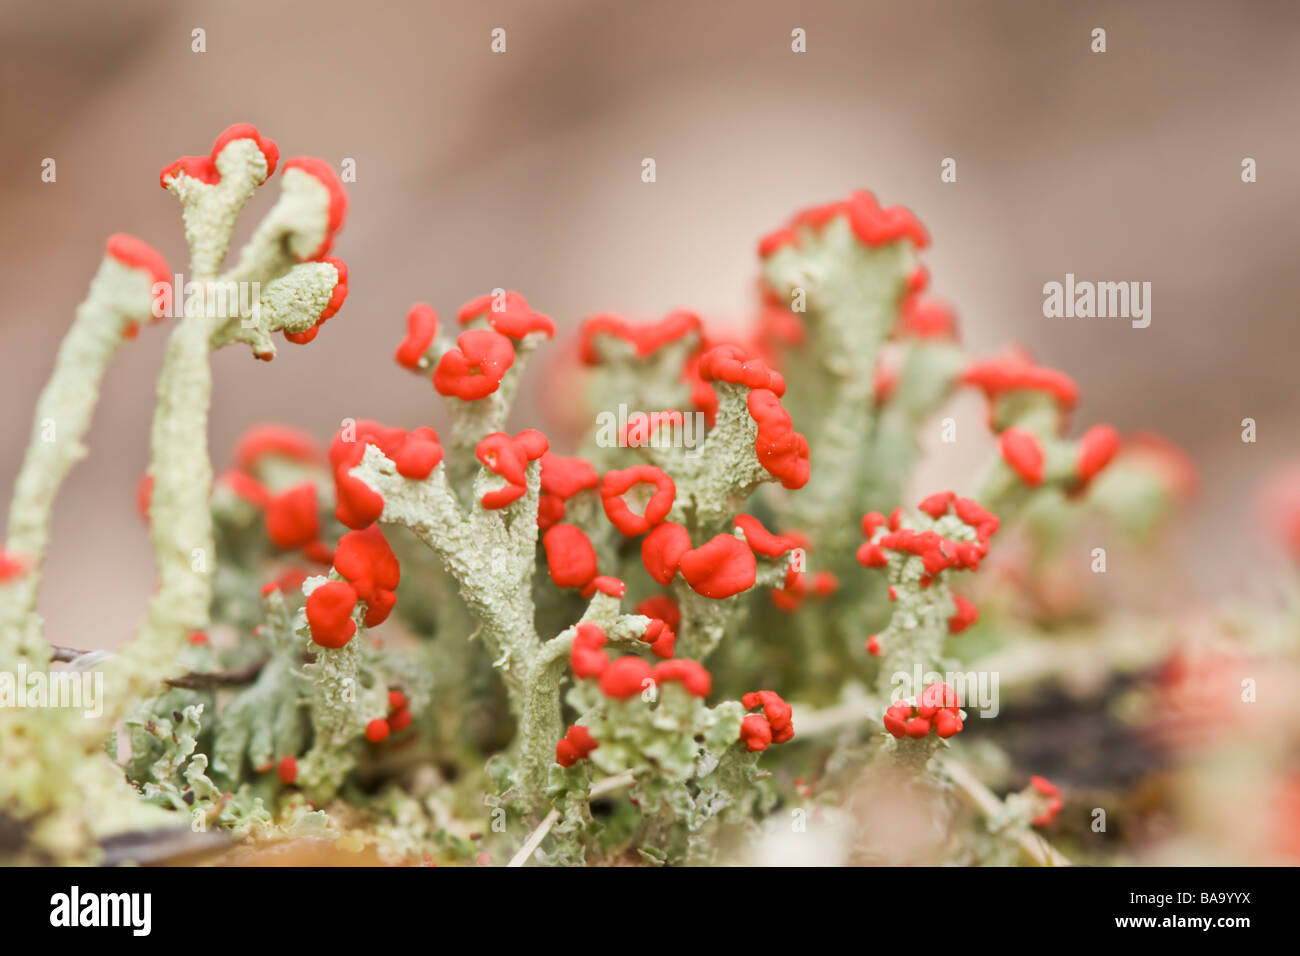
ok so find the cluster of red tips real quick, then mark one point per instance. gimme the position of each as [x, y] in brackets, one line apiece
[1097, 447]
[275, 441]
[646, 338]
[204, 168]
[777, 239]
[660, 636]
[244, 486]
[293, 522]
[871, 224]
[415, 454]
[703, 396]
[475, 367]
[11, 566]
[198, 638]
[562, 478]
[292, 516]
[365, 561]
[799, 586]
[329, 613]
[508, 458]
[778, 328]
[421, 329]
[287, 771]
[144, 495]
[642, 427]
[984, 522]
[732, 364]
[918, 279]
[137, 254]
[570, 558]
[966, 615]
[576, 743]
[888, 372]
[571, 562]
[762, 541]
[935, 505]
[289, 580]
[399, 711]
[585, 656]
[721, 567]
[937, 552]
[616, 484]
[332, 306]
[605, 584]
[371, 574]
[662, 550]
[690, 674]
[399, 718]
[628, 676]
[925, 317]
[937, 709]
[508, 313]
[772, 726]
[1015, 372]
[337, 209]
[1055, 802]
[782, 451]
[1023, 453]
[662, 607]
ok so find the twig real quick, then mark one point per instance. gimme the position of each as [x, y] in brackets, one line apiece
[600, 788]
[213, 679]
[985, 802]
[195, 680]
[170, 846]
[534, 839]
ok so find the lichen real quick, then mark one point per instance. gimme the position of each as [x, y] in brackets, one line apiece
[571, 674]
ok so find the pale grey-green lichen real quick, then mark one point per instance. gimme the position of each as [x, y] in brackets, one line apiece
[240, 733]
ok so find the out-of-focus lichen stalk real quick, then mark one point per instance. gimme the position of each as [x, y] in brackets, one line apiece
[929, 372]
[180, 519]
[852, 293]
[118, 296]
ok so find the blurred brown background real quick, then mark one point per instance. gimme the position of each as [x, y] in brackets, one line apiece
[522, 170]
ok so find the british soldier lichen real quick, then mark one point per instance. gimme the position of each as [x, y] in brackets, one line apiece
[572, 627]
